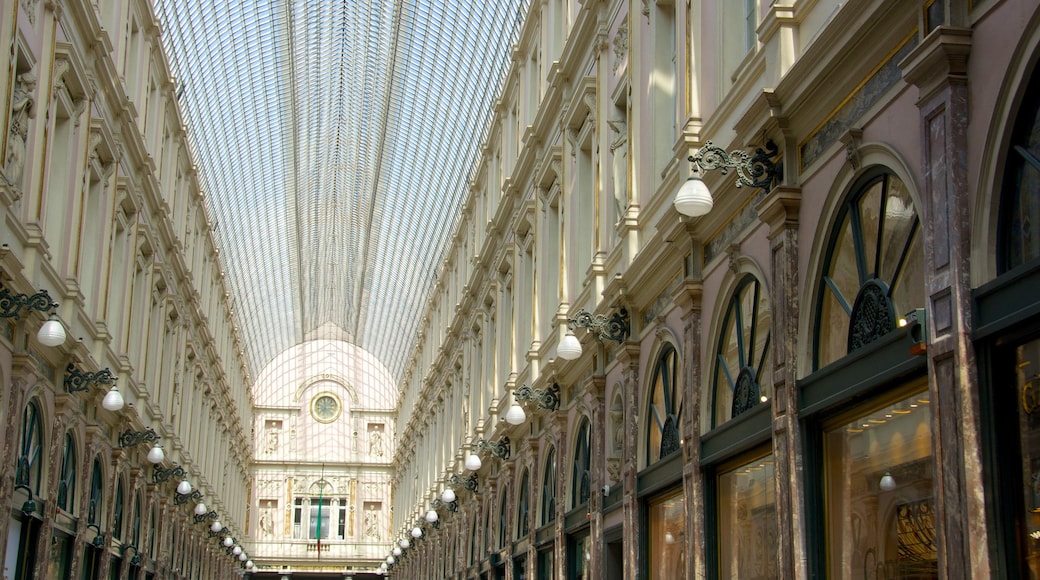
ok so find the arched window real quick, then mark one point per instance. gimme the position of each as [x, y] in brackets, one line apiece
[135, 529]
[665, 412]
[741, 380]
[873, 269]
[97, 482]
[582, 466]
[30, 468]
[523, 507]
[549, 488]
[473, 542]
[151, 531]
[503, 536]
[67, 483]
[1018, 239]
[118, 511]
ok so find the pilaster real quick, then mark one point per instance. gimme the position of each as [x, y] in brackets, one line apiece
[779, 210]
[938, 67]
[688, 297]
[628, 356]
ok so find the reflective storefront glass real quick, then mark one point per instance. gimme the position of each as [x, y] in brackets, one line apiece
[880, 507]
[747, 520]
[667, 537]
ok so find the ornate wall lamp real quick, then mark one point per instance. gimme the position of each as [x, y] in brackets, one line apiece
[216, 529]
[614, 327]
[498, 448]
[694, 199]
[52, 333]
[548, 398]
[210, 516]
[162, 475]
[183, 498]
[452, 505]
[78, 381]
[131, 438]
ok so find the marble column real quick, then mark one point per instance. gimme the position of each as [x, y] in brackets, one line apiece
[596, 400]
[628, 356]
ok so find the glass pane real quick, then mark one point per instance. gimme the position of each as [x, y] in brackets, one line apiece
[838, 295]
[549, 489]
[747, 521]
[665, 409]
[869, 207]
[322, 512]
[1020, 196]
[667, 537]
[1028, 381]
[880, 508]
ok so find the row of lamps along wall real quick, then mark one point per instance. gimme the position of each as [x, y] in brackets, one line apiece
[52, 334]
[693, 199]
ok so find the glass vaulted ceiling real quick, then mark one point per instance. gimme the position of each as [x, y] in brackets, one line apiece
[334, 142]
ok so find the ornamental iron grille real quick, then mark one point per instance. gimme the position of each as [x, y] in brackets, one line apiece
[67, 481]
[760, 170]
[665, 410]
[523, 507]
[29, 469]
[582, 466]
[1018, 237]
[549, 488]
[742, 355]
[873, 267]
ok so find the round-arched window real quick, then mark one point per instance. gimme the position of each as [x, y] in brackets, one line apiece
[29, 470]
[873, 269]
[1018, 238]
[549, 488]
[582, 466]
[742, 379]
[665, 409]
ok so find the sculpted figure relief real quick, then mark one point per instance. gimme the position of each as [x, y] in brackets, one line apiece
[23, 108]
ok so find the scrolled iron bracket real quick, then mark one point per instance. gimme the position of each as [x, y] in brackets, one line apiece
[614, 327]
[11, 305]
[456, 481]
[548, 398]
[80, 381]
[498, 448]
[161, 475]
[131, 438]
[758, 170]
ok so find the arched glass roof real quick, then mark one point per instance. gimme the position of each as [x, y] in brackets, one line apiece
[335, 140]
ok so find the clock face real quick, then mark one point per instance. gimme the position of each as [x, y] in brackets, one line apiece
[325, 408]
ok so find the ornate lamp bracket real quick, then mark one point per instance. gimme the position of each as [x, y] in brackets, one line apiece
[758, 170]
[194, 496]
[614, 327]
[11, 305]
[161, 475]
[206, 517]
[80, 381]
[498, 448]
[468, 483]
[131, 438]
[549, 398]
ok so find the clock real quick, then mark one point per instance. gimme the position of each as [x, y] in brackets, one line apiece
[325, 408]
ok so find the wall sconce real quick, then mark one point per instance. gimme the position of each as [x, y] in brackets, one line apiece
[52, 333]
[417, 532]
[397, 552]
[183, 488]
[136, 559]
[77, 381]
[161, 475]
[249, 564]
[614, 327]
[694, 199]
[130, 438]
[453, 505]
[99, 538]
[404, 543]
[228, 541]
[183, 498]
[29, 506]
[887, 483]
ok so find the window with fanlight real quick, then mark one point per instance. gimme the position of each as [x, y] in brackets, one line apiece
[742, 357]
[29, 470]
[523, 506]
[665, 409]
[1018, 240]
[873, 269]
